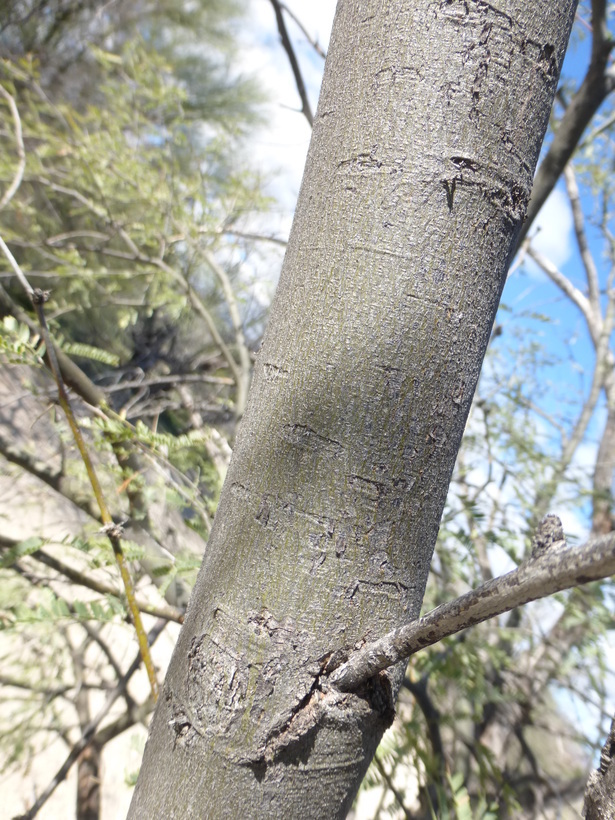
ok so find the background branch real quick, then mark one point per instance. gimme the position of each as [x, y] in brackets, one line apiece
[89, 733]
[306, 109]
[596, 86]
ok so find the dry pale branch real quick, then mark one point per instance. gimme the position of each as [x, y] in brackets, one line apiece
[21, 152]
[564, 284]
[591, 273]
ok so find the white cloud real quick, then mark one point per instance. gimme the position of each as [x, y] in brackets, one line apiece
[552, 231]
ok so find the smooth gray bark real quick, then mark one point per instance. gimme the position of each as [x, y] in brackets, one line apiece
[428, 128]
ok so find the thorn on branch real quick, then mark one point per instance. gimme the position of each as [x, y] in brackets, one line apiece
[39, 296]
[549, 534]
[113, 530]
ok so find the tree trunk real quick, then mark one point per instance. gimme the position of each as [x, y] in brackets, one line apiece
[428, 128]
[88, 783]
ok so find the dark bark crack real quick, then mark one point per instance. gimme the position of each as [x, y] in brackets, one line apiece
[292, 741]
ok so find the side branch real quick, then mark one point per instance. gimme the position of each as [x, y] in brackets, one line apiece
[306, 108]
[21, 152]
[557, 569]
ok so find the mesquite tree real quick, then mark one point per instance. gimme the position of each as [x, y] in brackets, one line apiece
[426, 136]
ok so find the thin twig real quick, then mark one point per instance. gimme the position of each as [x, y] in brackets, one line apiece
[21, 153]
[399, 797]
[178, 378]
[257, 237]
[18, 271]
[136, 714]
[599, 129]
[593, 287]
[314, 43]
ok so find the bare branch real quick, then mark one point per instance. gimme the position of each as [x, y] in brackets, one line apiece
[306, 109]
[244, 354]
[18, 271]
[95, 636]
[314, 43]
[600, 129]
[397, 794]
[557, 569]
[89, 732]
[593, 287]
[545, 494]
[31, 463]
[176, 378]
[257, 237]
[136, 714]
[168, 613]
[565, 285]
[72, 192]
[37, 688]
[21, 153]
[418, 690]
